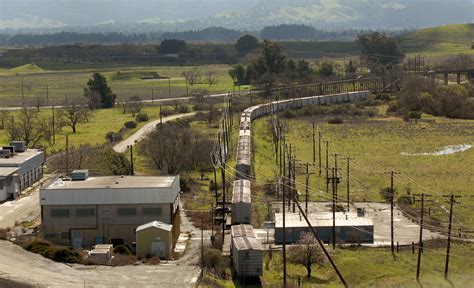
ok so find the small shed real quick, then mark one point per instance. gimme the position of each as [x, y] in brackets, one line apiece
[241, 202]
[154, 239]
[247, 256]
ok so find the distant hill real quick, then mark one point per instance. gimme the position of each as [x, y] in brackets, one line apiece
[452, 38]
[27, 68]
[248, 15]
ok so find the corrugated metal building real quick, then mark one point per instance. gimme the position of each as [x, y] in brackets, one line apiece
[350, 228]
[107, 209]
[19, 169]
[154, 239]
[241, 202]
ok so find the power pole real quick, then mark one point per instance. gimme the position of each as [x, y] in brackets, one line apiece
[202, 244]
[47, 95]
[314, 146]
[131, 160]
[223, 201]
[152, 96]
[54, 124]
[348, 159]
[67, 154]
[451, 202]
[212, 223]
[333, 178]
[327, 166]
[319, 140]
[161, 118]
[336, 175]
[284, 236]
[392, 194]
[307, 184]
[420, 243]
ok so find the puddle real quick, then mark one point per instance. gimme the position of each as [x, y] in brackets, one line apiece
[446, 150]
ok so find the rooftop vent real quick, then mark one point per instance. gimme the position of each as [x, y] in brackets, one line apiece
[5, 153]
[20, 146]
[79, 175]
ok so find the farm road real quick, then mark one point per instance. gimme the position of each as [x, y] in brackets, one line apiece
[136, 137]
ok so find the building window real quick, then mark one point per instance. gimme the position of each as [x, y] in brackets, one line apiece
[60, 212]
[126, 211]
[152, 211]
[65, 235]
[85, 212]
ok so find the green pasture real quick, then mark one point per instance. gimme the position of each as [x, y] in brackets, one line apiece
[37, 83]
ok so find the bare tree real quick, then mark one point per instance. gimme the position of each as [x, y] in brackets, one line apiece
[133, 106]
[74, 114]
[211, 78]
[27, 126]
[306, 252]
[192, 76]
[4, 114]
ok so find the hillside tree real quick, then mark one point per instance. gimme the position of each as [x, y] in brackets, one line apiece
[98, 91]
[380, 48]
[306, 252]
[171, 46]
[74, 114]
[246, 44]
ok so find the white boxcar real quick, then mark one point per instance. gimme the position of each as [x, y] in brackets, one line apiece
[247, 256]
[241, 202]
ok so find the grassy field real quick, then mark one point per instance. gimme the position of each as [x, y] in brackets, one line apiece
[72, 82]
[93, 132]
[376, 146]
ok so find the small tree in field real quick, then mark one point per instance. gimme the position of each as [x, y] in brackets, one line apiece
[74, 114]
[306, 252]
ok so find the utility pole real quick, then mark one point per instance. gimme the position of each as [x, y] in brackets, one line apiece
[53, 124]
[161, 118]
[392, 194]
[327, 166]
[314, 146]
[152, 96]
[202, 244]
[336, 175]
[169, 85]
[215, 182]
[223, 201]
[307, 184]
[319, 140]
[420, 243]
[47, 95]
[131, 160]
[284, 235]
[333, 178]
[67, 154]
[451, 202]
[348, 159]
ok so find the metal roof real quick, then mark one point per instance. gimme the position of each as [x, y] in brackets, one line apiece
[322, 219]
[242, 230]
[241, 191]
[19, 158]
[112, 190]
[116, 182]
[247, 243]
[155, 224]
[7, 171]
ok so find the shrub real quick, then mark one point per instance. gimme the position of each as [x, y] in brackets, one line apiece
[288, 113]
[182, 109]
[123, 260]
[56, 253]
[214, 261]
[335, 120]
[130, 124]
[122, 250]
[66, 255]
[414, 115]
[113, 137]
[142, 117]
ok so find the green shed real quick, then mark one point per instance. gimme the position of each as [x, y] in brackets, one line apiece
[154, 239]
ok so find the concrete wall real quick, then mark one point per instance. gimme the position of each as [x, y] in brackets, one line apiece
[105, 225]
[346, 234]
[146, 237]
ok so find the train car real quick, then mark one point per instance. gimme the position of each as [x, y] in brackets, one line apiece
[242, 230]
[241, 202]
[247, 256]
[243, 157]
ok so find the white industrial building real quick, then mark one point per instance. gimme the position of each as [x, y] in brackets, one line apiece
[350, 227]
[98, 210]
[19, 169]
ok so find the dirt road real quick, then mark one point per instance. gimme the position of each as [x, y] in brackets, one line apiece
[121, 147]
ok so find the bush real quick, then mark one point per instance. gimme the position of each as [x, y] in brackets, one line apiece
[414, 115]
[130, 124]
[182, 109]
[123, 260]
[288, 113]
[142, 117]
[214, 261]
[113, 137]
[335, 120]
[56, 253]
[122, 250]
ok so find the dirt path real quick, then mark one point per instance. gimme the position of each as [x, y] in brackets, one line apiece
[145, 130]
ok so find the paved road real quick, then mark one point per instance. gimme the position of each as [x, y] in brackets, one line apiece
[160, 100]
[22, 266]
[145, 130]
[21, 209]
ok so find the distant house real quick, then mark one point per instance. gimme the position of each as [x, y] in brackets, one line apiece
[109, 209]
[19, 169]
